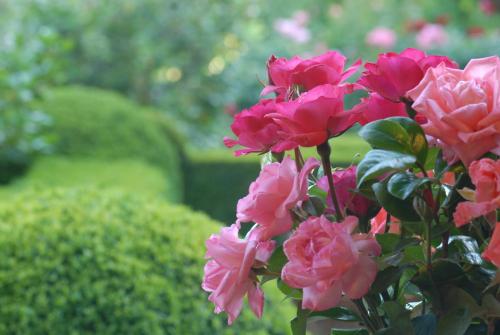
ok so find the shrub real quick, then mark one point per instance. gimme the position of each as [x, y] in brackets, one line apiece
[126, 175]
[101, 124]
[87, 262]
[209, 173]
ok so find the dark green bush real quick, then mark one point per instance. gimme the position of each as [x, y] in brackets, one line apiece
[101, 124]
[126, 175]
[86, 262]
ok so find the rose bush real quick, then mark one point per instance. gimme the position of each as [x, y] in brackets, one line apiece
[407, 241]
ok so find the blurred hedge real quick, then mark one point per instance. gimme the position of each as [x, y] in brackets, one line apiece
[92, 262]
[131, 176]
[101, 124]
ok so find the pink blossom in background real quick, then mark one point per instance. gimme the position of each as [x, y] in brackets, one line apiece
[315, 116]
[462, 107]
[375, 107]
[256, 132]
[301, 17]
[381, 37]
[326, 260]
[487, 7]
[385, 76]
[278, 188]
[228, 273]
[485, 175]
[294, 28]
[345, 185]
[492, 252]
[432, 36]
[327, 68]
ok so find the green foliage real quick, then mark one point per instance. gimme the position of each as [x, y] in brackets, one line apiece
[135, 177]
[99, 124]
[88, 262]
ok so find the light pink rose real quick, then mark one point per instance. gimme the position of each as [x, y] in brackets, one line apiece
[375, 107]
[492, 252]
[257, 132]
[284, 74]
[485, 175]
[326, 260]
[292, 30]
[381, 37]
[345, 185]
[278, 189]
[228, 273]
[431, 36]
[315, 116]
[462, 107]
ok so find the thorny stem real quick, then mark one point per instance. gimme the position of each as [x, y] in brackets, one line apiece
[324, 152]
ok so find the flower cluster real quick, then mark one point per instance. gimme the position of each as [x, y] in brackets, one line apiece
[347, 236]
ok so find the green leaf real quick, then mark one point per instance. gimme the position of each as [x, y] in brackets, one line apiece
[378, 162]
[277, 261]
[337, 313]
[454, 322]
[418, 142]
[399, 317]
[299, 324]
[386, 134]
[425, 324]
[401, 209]
[385, 278]
[388, 242]
[464, 248]
[388, 331]
[350, 332]
[403, 184]
[289, 291]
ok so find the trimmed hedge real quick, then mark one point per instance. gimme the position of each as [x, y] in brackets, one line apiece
[131, 176]
[87, 262]
[90, 122]
[215, 180]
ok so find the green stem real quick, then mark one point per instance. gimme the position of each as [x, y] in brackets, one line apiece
[364, 315]
[373, 309]
[324, 152]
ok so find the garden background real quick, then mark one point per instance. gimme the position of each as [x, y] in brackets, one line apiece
[112, 115]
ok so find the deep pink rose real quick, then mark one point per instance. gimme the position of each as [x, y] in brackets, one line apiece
[327, 68]
[257, 132]
[326, 259]
[228, 273]
[381, 37]
[393, 75]
[315, 116]
[485, 175]
[375, 107]
[462, 107]
[345, 184]
[278, 188]
[492, 252]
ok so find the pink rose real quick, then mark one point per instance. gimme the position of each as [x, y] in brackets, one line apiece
[292, 30]
[462, 107]
[431, 36]
[375, 107]
[228, 273]
[345, 185]
[327, 68]
[257, 132]
[393, 75]
[326, 259]
[381, 37]
[278, 189]
[492, 252]
[379, 222]
[315, 116]
[485, 175]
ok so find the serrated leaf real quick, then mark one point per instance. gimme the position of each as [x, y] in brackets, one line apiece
[378, 162]
[418, 142]
[386, 134]
[403, 184]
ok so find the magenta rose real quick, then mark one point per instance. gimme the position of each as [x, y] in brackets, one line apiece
[315, 116]
[375, 107]
[462, 107]
[326, 260]
[278, 189]
[256, 132]
[393, 75]
[327, 68]
[228, 274]
[345, 184]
